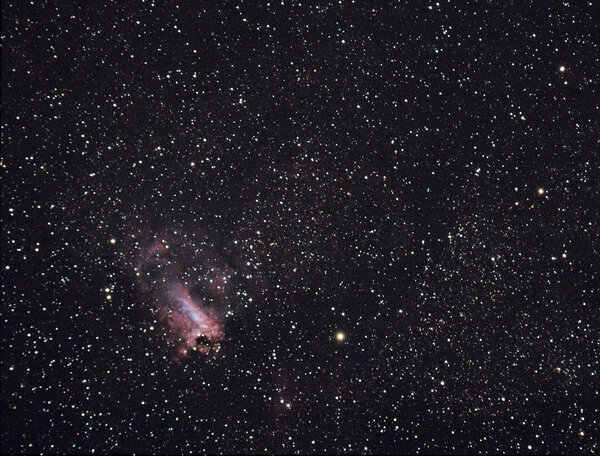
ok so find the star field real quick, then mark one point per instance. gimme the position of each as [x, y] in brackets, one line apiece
[289, 227]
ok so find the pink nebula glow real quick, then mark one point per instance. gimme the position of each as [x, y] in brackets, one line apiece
[196, 326]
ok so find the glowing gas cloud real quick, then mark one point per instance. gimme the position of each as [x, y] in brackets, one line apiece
[197, 327]
[192, 289]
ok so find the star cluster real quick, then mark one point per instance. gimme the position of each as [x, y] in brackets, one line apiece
[300, 227]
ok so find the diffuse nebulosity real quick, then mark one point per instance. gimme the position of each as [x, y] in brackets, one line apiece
[190, 287]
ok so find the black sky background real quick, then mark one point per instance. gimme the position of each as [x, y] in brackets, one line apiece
[421, 178]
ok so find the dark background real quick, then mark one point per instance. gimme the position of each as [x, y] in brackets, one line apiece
[421, 177]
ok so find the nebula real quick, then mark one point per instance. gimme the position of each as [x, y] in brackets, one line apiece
[196, 326]
[191, 288]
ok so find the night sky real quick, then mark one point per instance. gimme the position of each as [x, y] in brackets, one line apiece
[296, 228]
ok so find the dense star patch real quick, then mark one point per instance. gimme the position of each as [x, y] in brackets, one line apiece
[300, 227]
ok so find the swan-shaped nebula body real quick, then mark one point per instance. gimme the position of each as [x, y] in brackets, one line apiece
[190, 287]
[196, 326]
